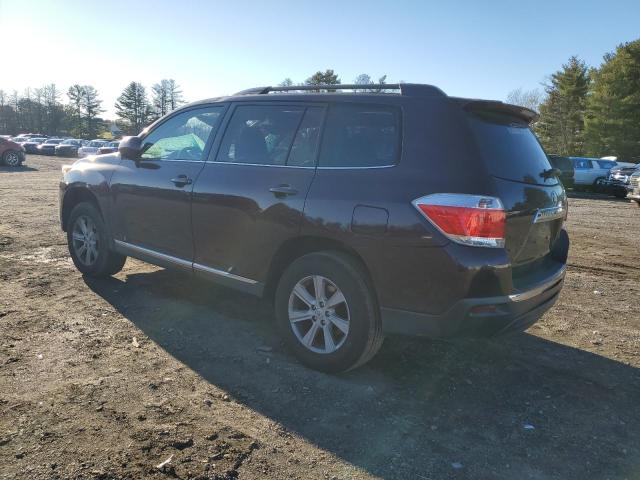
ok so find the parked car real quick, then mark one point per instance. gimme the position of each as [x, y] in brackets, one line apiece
[31, 146]
[591, 172]
[48, 147]
[69, 147]
[11, 153]
[634, 187]
[358, 215]
[618, 180]
[19, 139]
[91, 148]
[565, 165]
[110, 147]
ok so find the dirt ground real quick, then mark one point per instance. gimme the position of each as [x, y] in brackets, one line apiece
[110, 378]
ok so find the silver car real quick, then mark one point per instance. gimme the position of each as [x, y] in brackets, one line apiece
[91, 148]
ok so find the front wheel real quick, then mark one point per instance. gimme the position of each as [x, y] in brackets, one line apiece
[327, 313]
[599, 185]
[11, 158]
[88, 243]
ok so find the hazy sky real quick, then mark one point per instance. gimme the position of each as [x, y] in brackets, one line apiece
[468, 48]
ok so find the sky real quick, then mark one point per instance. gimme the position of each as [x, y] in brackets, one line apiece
[480, 49]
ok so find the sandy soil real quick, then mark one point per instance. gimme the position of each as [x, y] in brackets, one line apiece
[110, 378]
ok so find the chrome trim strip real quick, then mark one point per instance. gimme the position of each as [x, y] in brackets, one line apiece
[262, 165]
[153, 253]
[184, 263]
[375, 167]
[519, 297]
[222, 273]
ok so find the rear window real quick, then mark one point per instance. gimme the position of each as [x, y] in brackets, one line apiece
[510, 149]
[361, 136]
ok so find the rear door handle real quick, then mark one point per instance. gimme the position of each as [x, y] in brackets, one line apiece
[181, 181]
[283, 190]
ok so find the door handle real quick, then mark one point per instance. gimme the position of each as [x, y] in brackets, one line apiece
[283, 190]
[181, 181]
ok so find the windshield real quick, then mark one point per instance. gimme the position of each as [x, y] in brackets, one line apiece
[96, 144]
[53, 142]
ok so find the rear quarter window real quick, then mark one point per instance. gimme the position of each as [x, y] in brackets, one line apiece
[360, 136]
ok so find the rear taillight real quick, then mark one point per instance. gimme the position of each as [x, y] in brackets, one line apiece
[474, 220]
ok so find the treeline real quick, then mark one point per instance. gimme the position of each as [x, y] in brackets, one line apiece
[329, 77]
[591, 111]
[77, 112]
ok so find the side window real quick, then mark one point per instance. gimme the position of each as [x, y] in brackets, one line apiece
[360, 136]
[305, 145]
[184, 136]
[583, 164]
[260, 134]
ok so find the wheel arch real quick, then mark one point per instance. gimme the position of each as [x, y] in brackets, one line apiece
[297, 247]
[72, 197]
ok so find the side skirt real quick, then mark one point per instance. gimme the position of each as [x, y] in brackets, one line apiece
[214, 275]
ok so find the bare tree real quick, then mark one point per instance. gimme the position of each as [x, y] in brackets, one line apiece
[526, 98]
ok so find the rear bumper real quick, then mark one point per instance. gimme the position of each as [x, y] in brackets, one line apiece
[480, 317]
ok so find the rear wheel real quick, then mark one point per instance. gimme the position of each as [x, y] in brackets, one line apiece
[11, 158]
[327, 313]
[88, 243]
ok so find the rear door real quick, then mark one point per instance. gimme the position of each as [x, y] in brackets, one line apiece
[534, 199]
[249, 199]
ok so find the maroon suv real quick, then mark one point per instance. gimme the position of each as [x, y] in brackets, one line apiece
[357, 214]
[11, 153]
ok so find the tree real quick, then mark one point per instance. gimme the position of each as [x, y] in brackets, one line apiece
[91, 108]
[133, 109]
[74, 110]
[323, 78]
[364, 79]
[287, 82]
[613, 106]
[174, 93]
[526, 98]
[561, 124]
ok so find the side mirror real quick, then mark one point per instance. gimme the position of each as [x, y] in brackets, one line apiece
[130, 147]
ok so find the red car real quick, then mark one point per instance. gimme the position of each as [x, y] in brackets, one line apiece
[11, 153]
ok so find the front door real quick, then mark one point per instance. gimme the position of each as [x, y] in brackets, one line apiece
[249, 200]
[151, 195]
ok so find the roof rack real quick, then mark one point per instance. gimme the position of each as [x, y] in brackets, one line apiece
[406, 89]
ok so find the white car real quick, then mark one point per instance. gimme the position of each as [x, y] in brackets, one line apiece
[591, 172]
[91, 148]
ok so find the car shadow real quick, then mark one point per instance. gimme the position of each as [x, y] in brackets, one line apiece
[517, 407]
[595, 196]
[20, 169]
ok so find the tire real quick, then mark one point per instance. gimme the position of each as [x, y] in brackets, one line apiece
[337, 273]
[11, 158]
[101, 261]
[598, 185]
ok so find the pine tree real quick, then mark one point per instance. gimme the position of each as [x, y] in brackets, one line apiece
[613, 107]
[133, 108]
[561, 124]
[91, 108]
[328, 77]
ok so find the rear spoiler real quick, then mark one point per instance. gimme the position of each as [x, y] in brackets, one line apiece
[523, 113]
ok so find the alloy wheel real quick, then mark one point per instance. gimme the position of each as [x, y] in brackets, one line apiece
[12, 159]
[85, 240]
[319, 314]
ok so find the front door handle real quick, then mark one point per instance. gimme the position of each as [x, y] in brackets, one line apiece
[283, 190]
[181, 181]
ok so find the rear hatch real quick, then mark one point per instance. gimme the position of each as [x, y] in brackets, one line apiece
[524, 180]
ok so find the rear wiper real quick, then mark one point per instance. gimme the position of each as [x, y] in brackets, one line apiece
[551, 172]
